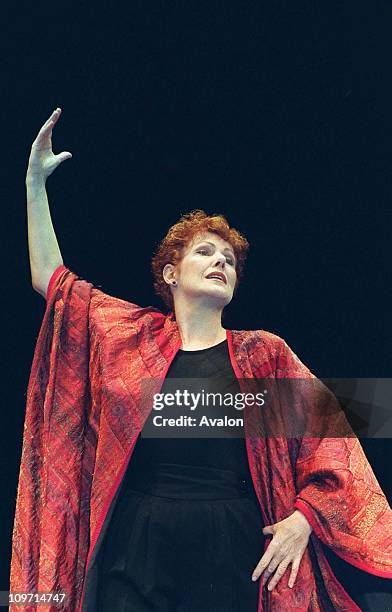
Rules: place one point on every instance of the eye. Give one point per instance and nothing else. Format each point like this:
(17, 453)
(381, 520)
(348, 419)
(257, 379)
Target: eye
(229, 260)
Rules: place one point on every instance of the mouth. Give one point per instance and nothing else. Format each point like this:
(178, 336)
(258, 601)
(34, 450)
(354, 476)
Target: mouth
(217, 277)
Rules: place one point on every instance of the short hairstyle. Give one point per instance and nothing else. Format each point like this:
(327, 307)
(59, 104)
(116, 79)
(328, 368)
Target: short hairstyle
(171, 248)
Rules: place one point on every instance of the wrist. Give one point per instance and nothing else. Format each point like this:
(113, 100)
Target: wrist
(35, 180)
(304, 520)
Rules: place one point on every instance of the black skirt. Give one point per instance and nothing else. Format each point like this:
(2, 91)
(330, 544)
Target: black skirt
(182, 539)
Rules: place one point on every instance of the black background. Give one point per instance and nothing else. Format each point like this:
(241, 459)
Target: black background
(275, 114)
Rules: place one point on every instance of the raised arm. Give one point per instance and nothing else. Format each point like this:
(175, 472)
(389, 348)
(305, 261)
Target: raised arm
(44, 251)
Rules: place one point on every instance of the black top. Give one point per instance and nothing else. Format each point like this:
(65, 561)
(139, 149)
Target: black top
(223, 448)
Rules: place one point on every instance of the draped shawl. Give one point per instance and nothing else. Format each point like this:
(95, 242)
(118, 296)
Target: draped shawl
(86, 406)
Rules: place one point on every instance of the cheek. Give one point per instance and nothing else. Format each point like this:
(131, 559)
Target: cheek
(233, 279)
(193, 273)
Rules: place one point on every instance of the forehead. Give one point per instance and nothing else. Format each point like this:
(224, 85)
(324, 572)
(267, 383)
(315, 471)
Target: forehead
(210, 237)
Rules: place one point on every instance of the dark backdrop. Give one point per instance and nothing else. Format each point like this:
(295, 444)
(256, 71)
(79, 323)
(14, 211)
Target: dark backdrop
(275, 114)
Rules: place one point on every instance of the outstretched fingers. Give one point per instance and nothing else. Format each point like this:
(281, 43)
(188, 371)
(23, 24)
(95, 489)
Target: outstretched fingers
(264, 561)
(294, 571)
(279, 573)
(53, 117)
(46, 129)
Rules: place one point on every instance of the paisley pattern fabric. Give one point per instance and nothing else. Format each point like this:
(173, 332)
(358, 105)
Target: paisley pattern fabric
(97, 361)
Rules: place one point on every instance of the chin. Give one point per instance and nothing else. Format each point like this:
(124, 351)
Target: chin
(221, 299)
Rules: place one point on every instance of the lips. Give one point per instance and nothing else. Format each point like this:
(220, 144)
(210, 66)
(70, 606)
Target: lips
(219, 275)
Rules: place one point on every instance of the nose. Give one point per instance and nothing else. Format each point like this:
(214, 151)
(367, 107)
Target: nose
(221, 260)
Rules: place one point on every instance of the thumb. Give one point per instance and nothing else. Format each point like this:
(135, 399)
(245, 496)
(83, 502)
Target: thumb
(63, 156)
(269, 529)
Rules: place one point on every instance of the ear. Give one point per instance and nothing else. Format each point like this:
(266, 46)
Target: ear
(168, 273)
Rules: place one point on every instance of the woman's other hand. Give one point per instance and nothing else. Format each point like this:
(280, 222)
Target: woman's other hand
(290, 539)
(42, 161)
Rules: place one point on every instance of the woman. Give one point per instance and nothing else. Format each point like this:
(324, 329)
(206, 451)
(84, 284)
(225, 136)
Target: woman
(116, 520)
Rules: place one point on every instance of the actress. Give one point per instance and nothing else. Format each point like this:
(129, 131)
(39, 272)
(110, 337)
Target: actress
(166, 522)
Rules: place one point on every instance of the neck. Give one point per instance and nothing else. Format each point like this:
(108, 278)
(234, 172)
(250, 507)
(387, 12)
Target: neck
(199, 326)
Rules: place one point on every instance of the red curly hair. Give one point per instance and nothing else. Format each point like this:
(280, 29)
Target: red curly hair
(172, 247)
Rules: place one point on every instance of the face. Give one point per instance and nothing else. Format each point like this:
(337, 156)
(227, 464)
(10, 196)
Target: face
(206, 255)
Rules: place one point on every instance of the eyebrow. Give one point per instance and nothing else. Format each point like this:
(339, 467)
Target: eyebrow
(212, 244)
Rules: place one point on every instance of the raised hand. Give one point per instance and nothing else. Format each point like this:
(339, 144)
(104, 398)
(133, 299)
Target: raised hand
(42, 160)
(290, 539)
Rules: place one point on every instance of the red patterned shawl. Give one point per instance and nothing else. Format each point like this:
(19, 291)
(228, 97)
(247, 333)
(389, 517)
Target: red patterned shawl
(83, 416)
